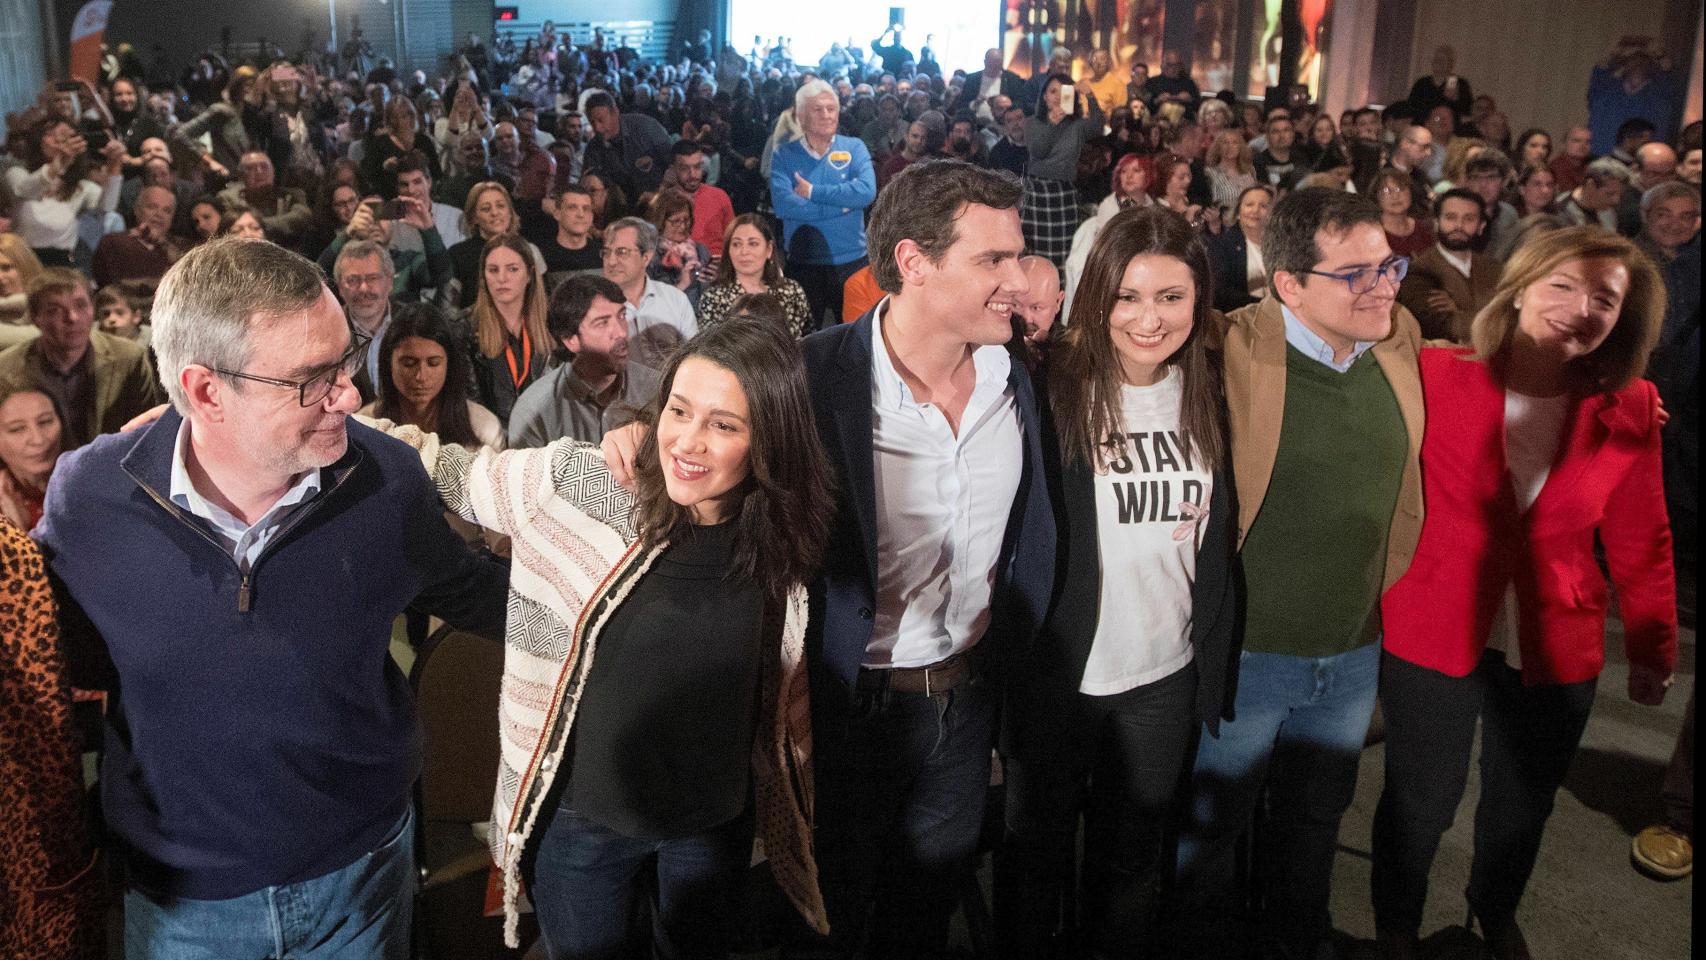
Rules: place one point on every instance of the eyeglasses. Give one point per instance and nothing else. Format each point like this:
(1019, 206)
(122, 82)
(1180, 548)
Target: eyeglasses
(609, 252)
(358, 280)
(1365, 280)
(313, 391)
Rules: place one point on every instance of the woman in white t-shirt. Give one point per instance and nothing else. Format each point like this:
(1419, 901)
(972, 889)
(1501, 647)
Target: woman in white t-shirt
(1138, 648)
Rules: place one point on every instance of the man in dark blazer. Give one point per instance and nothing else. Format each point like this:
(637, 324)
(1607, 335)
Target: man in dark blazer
(940, 563)
(1450, 281)
(941, 559)
(983, 87)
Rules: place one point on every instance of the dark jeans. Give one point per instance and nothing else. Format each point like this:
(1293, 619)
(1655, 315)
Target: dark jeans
(1528, 737)
(1117, 759)
(585, 875)
(1298, 736)
(901, 783)
(822, 284)
(1679, 776)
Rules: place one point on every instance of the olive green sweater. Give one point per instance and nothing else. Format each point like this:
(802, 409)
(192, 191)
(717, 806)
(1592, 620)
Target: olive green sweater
(1316, 553)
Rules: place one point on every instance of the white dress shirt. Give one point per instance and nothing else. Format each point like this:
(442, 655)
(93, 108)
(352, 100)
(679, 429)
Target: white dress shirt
(245, 541)
(943, 500)
(1534, 430)
(661, 303)
(1461, 261)
(1255, 270)
(378, 335)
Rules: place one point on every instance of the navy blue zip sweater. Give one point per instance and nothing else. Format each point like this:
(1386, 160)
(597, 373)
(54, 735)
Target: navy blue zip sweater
(260, 733)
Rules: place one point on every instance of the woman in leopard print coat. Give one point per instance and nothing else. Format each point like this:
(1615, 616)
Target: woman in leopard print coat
(49, 884)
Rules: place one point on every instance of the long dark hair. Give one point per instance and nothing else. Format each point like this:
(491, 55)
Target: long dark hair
(1084, 376)
(782, 522)
(772, 267)
(429, 323)
(1041, 110)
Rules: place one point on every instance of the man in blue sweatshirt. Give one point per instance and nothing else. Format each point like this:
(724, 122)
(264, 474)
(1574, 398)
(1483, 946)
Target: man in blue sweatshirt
(243, 558)
(820, 186)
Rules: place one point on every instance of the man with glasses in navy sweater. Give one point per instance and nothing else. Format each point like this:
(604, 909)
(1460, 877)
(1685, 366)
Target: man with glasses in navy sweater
(243, 559)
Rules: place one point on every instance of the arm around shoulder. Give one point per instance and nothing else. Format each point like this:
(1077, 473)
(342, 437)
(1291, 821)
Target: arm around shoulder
(1637, 539)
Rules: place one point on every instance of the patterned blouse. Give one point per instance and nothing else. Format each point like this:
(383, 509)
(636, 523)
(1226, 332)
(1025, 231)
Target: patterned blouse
(715, 302)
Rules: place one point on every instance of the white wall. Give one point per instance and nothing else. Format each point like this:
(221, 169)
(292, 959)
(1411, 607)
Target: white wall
(963, 29)
(591, 11)
(1533, 56)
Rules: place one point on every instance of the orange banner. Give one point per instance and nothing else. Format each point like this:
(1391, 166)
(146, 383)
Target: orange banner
(88, 31)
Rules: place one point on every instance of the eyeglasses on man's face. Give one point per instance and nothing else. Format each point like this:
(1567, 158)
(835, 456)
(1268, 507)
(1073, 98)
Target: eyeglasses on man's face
(313, 391)
(1365, 280)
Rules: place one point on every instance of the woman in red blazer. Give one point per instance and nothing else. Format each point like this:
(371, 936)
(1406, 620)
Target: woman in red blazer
(1538, 439)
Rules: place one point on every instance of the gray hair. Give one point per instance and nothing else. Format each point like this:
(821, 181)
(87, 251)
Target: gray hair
(361, 250)
(1216, 106)
(811, 90)
(210, 301)
(645, 235)
(1669, 190)
(1608, 168)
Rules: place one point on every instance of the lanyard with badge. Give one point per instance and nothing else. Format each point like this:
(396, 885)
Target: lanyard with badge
(519, 376)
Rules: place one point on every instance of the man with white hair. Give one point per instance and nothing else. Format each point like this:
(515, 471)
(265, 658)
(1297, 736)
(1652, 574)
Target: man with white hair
(146, 250)
(260, 765)
(820, 185)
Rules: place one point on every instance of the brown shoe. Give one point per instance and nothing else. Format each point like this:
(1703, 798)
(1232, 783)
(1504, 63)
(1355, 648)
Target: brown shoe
(1663, 853)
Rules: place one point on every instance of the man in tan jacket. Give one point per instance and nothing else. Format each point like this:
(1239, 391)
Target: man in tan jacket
(1450, 281)
(97, 381)
(1324, 403)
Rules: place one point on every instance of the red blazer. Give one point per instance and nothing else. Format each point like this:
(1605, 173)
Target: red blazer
(1607, 480)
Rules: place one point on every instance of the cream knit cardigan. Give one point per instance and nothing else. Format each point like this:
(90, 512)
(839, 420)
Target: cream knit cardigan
(573, 545)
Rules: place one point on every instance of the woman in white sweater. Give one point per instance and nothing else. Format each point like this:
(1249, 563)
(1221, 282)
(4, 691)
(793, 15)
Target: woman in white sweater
(689, 730)
(62, 180)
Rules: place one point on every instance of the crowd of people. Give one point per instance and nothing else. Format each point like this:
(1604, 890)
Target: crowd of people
(865, 421)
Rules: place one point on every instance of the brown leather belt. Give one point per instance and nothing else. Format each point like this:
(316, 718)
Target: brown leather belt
(936, 678)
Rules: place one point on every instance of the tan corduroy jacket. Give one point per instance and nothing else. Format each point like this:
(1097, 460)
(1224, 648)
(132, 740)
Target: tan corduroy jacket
(123, 382)
(1254, 362)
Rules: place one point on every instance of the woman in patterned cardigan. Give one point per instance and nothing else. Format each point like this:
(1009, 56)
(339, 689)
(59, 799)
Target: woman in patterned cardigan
(49, 886)
(694, 721)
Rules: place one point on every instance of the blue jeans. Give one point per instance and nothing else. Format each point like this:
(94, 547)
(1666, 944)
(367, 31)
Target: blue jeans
(585, 875)
(359, 912)
(1299, 732)
(902, 779)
